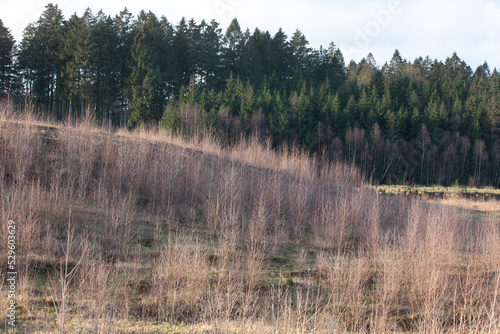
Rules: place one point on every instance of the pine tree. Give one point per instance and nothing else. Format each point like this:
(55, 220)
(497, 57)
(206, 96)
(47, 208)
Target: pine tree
(149, 83)
(280, 57)
(383, 106)
(334, 116)
(413, 99)
(403, 121)
(233, 94)
(364, 107)
(183, 60)
(6, 60)
(124, 24)
(211, 47)
(395, 66)
(76, 74)
(141, 81)
(105, 69)
(40, 59)
(300, 51)
(233, 40)
(279, 122)
(255, 62)
(248, 102)
(170, 119)
(372, 115)
(392, 130)
(195, 48)
(432, 115)
(415, 124)
(336, 74)
(301, 113)
(351, 111)
(492, 119)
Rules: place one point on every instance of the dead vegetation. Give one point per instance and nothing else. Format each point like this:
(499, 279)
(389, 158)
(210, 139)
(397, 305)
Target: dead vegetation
(145, 232)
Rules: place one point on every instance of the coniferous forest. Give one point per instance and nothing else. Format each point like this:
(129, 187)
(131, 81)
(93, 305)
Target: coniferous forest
(405, 121)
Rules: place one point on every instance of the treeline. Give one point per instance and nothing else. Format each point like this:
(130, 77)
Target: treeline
(422, 121)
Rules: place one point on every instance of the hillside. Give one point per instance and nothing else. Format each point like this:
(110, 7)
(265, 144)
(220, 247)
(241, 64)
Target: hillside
(401, 121)
(144, 232)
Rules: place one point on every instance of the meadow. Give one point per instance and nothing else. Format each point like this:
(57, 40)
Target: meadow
(148, 232)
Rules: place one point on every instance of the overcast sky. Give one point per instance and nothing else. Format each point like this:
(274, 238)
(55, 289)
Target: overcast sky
(415, 27)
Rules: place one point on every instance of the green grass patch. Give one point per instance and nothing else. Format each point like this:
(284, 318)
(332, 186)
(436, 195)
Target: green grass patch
(437, 191)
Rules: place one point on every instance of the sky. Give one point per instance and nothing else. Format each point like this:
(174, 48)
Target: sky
(417, 28)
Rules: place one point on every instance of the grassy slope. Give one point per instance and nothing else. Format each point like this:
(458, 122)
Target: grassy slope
(147, 232)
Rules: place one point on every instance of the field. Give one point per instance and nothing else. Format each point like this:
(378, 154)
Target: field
(440, 192)
(480, 200)
(146, 232)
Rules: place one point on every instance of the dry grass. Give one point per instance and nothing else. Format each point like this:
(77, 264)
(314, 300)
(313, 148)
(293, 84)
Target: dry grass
(488, 206)
(146, 232)
(483, 200)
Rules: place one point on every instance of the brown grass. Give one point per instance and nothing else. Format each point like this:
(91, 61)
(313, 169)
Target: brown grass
(146, 232)
(488, 206)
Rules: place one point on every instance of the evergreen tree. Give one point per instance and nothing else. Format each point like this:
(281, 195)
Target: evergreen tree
(233, 94)
(254, 64)
(76, 74)
(300, 51)
(364, 107)
(141, 81)
(336, 67)
(301, 114)
(211, 48)
(372, 116)
(383, 106)
(40, 59)
(105, 70)
(124, 24)
(233, 40)
(279, 122)
(6, 60)
(415, 124)
(396, 66)
(280, 61)
(170, 118)
(403, 121)
(248, 102)
(392, 126)
(149, 86)
(184, 61)
(334, 116)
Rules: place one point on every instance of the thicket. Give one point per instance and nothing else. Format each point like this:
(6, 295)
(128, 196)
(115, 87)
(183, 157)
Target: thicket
(149, 232)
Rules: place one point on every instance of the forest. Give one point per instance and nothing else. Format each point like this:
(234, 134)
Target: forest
(412, 122)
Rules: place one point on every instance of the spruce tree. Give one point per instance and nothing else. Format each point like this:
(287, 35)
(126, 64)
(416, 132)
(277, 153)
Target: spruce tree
(280, 57)
(105, 68)
(233, 40)
(233, 95)
(124, 24)
(279, 121)
(141, 81)
(300, 51)
(40, 59)
(76, 49)
(6, 59)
